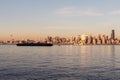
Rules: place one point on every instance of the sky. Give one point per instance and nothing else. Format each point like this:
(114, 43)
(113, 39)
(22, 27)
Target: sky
(41, 18)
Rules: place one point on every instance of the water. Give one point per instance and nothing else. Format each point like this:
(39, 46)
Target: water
(60, 63)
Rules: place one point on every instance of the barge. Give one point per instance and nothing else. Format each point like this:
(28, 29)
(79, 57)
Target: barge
(34, 44)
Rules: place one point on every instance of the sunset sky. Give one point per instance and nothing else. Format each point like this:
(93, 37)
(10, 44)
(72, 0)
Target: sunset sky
(39, 18)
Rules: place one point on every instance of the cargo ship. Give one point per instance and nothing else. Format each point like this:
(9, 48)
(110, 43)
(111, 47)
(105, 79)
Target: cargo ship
(34, 44)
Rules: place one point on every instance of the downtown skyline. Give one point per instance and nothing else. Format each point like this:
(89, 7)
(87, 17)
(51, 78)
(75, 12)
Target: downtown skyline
(84, 39)
(25, 19)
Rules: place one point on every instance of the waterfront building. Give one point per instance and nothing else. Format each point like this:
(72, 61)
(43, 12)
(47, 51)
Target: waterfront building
(49, 39)
(94, 41)
(103, 39)
(116, 41)
(89, 41)
(112, 41)
(107, 38)
(63, 40)
(84, 39)
(67, 39)
(78, 39)
(99, 41)
(73, 39)
(99, 37)
(57, 39)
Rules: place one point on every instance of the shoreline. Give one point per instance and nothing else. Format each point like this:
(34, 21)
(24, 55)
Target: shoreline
(75, 44)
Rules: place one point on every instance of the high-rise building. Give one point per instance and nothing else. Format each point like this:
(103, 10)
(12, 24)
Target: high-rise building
(89, 41)
(113, 34)
(99, 40)
(103, 39)
(94, 41)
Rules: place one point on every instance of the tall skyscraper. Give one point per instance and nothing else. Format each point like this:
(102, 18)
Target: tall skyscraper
(113, 34)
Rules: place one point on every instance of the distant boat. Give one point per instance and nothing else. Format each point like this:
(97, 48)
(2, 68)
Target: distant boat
(34, 44)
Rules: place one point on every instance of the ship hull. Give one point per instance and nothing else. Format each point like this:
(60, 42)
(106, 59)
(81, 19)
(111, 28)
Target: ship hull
(34, 44)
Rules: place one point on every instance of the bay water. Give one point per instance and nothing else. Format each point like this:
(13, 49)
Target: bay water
(65, 62)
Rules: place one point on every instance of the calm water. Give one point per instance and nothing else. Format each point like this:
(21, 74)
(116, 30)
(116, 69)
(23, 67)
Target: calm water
(60, 63)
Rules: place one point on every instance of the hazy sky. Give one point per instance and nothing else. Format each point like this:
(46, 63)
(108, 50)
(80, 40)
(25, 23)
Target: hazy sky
(36, 18)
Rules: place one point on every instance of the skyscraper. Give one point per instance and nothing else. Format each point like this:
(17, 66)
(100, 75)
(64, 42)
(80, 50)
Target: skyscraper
(113, 34)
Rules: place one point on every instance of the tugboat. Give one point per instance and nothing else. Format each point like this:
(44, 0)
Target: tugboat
(34, 44)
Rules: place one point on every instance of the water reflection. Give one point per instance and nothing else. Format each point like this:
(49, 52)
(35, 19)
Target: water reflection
(113, 56)
(60, 63)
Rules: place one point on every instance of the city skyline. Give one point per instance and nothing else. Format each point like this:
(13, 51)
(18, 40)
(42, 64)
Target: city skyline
(111, 35)
(84, 39)
(34, 19)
